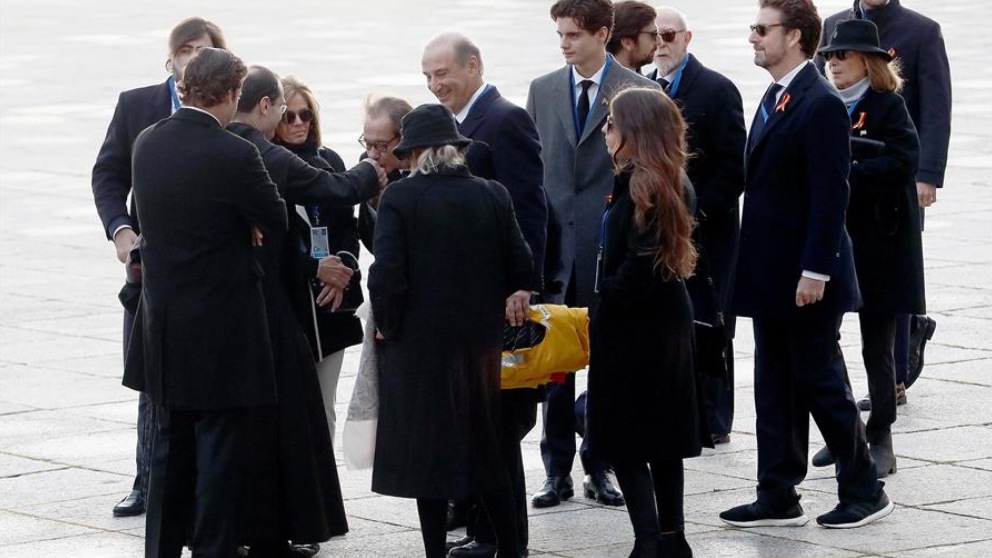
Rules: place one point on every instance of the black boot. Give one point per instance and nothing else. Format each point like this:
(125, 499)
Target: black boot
(883, 455)
(645, 548)
(674, 546)
(823, 457)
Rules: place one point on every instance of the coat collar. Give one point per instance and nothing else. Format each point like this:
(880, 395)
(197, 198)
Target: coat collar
(198, 116)
(476, 115)
(796, 91)
(597, 113)
(161, 100)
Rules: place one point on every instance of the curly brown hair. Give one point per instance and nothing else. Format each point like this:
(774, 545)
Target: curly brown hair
(211, 75)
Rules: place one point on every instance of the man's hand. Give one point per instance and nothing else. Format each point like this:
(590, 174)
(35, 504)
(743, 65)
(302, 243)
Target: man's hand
(330, 295)
(124, 241)
(926, 194)
(809, 291)
(517, 307)
(256, 237)
(379, 171)
(332, 271)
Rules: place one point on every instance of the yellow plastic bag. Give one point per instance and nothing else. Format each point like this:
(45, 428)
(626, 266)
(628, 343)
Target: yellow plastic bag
(565, 348)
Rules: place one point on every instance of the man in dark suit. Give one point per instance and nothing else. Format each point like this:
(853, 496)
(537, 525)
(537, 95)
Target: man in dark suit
(795, 278)
(200, 348)
(136, 110)
(918, 44)
(713, 110)
(569, 106)
(505, 148)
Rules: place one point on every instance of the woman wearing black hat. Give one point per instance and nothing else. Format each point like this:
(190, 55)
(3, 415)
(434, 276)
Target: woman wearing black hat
(448, 254)
(882, 218)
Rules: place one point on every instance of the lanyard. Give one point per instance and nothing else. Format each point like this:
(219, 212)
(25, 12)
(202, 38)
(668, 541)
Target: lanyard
(674, 87)
(172, 91)
(599, 94)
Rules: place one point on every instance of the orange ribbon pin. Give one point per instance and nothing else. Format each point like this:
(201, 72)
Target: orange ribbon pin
(861, 121)
(780, 107)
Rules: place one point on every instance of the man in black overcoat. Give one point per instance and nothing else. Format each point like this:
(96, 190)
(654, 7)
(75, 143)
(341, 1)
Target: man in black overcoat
(506, 149)
(795, 278)
(917, 43)
(714, 112)
(136, 110)
(200, 347)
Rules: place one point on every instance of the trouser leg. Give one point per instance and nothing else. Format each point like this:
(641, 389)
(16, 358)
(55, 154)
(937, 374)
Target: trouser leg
(878, 333)
(901, 352)
(328, 374)
(172, 484)
(432, 512)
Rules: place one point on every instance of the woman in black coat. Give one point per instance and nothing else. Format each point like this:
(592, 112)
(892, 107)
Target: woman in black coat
(329, 333)
(448, 254)
(643, 408)
(882, 216)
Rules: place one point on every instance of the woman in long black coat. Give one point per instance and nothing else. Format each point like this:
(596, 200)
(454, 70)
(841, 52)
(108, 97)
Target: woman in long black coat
(448, 254)
(883, 218)
(643, 407)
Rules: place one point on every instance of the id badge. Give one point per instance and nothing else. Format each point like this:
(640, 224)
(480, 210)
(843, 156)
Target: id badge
(319, 247)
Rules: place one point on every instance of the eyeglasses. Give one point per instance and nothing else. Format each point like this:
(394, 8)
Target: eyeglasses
(306, 116)
(380, 146)
(838, 54)
(609, 123)
(653, 34)
(282, 109)
(668, 35)
(762, 28)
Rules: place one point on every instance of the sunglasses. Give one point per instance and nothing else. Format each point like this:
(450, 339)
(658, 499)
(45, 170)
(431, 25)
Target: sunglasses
(306, 116)
(762, 28)
(379, 146)
(838, 54)
(668, 35)
(609, 123)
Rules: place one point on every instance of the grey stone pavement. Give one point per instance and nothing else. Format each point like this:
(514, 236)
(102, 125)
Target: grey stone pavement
(67, 432)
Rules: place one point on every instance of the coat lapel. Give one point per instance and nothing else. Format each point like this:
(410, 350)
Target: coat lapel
(476, 116)
(598, 112)
(689, 75)
(795, 91)
(563, 105)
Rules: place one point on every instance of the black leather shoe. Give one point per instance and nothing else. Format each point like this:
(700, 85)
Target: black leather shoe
(864, 404)
(307, 550)
(920, 331)
(719, 439)
(555, 490)
(600, 488)
(474, 549)
(132, 504)
(900, 395)
(457, 513)
(823, 457)
(282, 549)
(458, 542)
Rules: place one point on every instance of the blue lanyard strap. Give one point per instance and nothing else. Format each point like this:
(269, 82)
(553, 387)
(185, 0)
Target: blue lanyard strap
(674, 87)
(172, 91)
(592, 106)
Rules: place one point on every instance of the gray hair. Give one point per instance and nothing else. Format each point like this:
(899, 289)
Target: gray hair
(433, 159)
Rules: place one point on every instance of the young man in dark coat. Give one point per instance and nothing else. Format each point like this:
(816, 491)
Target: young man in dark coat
(917, 42)
(506, 149)
(200, 347)
(795, 278)
(568, 106)
(713, 110)
(136, 110)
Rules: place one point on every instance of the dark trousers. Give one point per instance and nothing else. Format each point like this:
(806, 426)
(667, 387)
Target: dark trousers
(518, 413)
(498, 506)
(197, 477)
(902, 347)
(799, 371)
(718, 396)
(878, 334)
(146, 424)
(563, 418)
(654, 497)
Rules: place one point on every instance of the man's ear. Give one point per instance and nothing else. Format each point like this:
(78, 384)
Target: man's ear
(628, 43)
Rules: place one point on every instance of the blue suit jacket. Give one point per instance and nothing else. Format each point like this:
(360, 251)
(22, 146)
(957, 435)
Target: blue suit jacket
(795, 201)
(512, 156)
(136, 110)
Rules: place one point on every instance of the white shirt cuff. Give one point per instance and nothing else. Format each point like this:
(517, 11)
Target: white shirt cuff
(817, 276)
(117, 230)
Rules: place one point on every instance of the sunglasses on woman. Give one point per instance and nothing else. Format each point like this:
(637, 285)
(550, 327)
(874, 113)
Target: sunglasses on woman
(838, 54)
(306, 116)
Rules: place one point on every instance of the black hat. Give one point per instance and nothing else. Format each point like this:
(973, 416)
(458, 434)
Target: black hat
(428, 126)
(859, 35)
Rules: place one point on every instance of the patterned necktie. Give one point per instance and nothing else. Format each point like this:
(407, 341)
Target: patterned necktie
(583, 106)
(664, 84)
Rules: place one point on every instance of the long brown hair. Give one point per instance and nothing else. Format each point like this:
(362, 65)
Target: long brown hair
(651, 125)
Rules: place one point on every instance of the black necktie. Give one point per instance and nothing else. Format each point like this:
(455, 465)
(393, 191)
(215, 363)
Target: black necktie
(583, 106)
(664, 84)
(765, 110)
